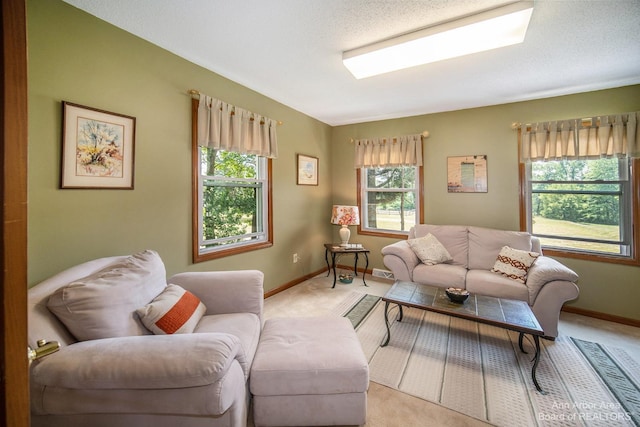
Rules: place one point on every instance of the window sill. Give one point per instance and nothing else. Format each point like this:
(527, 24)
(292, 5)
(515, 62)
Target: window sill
(382, 233)
(592, 257)
(221, 253)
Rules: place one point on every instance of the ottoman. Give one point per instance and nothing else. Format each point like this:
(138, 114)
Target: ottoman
(309, 371)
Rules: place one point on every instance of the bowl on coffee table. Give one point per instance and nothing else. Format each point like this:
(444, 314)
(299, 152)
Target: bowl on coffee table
(457, 295)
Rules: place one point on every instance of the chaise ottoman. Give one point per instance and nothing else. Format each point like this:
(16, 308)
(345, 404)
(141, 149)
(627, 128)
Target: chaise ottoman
(309, 371)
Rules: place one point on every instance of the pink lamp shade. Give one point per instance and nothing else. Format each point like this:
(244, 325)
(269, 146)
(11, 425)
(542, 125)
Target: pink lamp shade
(345, 216)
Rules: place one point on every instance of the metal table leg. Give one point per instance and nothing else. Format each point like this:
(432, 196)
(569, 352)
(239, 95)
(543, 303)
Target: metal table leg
(366, 257)
(333, 266)
(535, 360)
(386, 322)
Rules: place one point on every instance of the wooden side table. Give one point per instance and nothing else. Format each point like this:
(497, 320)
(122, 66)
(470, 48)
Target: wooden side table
(335, 249)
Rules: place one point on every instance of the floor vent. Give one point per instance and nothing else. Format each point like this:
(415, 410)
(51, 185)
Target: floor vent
(385, 274)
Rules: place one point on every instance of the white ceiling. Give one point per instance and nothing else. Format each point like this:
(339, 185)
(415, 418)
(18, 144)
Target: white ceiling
(291, 50)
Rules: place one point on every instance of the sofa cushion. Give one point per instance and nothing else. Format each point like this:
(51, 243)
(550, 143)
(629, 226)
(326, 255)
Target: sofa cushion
(429, 250)
(514, 263)
(174, 311)
(486, 243)
(103, 304)
(484, 282)
(453, 238)
(442, 275)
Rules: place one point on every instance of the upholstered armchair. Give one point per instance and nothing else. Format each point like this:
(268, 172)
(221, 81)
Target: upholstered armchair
(138, 350)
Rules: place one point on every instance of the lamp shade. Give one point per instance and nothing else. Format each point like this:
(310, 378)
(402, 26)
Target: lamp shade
(345, 215)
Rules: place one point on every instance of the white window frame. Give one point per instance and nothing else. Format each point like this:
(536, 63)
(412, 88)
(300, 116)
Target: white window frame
(250, 241)
(628, 235)
(363, 201)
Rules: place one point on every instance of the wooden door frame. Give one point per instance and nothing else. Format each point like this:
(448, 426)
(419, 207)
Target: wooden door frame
(14, 367)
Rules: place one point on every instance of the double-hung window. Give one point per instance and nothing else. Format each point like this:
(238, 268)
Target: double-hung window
(390, 199)
(232, 203)
(582, 200)
(389, 184)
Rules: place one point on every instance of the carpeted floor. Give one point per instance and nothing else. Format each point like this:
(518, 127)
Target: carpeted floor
(389, 407)
(479, 370)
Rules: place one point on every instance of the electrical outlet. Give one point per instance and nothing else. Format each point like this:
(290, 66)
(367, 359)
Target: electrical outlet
(295, 258)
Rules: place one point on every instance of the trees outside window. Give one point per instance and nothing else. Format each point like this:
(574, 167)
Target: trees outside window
(233, 202)
(390, 199)
(583, 207)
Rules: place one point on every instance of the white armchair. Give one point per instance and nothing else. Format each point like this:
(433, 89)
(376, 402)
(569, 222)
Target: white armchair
(190, 379)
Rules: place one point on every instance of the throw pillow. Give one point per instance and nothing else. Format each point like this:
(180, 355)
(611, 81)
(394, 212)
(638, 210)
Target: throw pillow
(429, 250)
(174, 311)
(103, 304)
(514, 263)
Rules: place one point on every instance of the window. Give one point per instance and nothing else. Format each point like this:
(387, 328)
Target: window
(390, 199)
(233, 205)
(583, 208)
(231, 157)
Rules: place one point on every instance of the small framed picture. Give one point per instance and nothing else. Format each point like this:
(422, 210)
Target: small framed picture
(467, 174)
(98, 148)
(307, 170)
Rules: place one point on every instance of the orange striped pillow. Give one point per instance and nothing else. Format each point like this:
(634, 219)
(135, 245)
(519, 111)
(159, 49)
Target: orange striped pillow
(174, 311)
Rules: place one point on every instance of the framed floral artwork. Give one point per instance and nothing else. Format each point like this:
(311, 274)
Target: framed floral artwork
(98, 148)
(307, 170)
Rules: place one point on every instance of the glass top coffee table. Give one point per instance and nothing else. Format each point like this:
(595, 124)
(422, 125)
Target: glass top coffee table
(501, 312)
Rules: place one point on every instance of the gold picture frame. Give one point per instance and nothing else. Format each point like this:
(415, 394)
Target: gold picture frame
(98, 148)
(467, 174)
(307, 170)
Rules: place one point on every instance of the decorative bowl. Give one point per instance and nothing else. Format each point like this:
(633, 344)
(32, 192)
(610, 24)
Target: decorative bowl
(345, 278)
(457, 295)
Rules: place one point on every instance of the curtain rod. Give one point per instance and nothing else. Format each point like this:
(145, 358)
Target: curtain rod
(584, 121)
(424, 134)
(196, 93)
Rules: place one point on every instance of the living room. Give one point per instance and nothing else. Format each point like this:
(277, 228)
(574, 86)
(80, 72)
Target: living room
(130, 76)
(79, 58)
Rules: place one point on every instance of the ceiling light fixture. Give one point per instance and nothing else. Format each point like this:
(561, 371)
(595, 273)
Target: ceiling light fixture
(491, 29)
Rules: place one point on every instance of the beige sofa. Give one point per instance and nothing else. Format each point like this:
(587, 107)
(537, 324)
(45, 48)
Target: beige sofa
(547, 285)
(122, 374)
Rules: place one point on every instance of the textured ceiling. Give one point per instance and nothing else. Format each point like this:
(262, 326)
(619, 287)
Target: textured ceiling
(291, 50)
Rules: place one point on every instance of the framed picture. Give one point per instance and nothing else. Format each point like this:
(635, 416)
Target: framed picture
(307, 170)
(467, 174)
(97, 148)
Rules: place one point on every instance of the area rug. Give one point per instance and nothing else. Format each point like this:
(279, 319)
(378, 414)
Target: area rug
(479, 370)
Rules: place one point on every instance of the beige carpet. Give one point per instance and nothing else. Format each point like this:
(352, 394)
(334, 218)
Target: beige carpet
(478, 370)
(388, 407)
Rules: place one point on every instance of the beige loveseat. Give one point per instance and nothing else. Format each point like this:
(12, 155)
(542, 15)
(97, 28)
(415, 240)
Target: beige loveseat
(473, 251)
(111, 370)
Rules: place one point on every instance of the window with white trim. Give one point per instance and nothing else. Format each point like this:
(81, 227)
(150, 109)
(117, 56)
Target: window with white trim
(233, 200)
(581, 206)
(390, 198)
(580, 188)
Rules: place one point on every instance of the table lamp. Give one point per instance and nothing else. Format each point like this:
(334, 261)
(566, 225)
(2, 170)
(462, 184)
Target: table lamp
(345, 216)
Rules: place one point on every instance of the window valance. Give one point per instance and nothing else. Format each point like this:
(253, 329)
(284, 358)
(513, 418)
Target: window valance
(226, 127)
(603, 136)
(397, 151)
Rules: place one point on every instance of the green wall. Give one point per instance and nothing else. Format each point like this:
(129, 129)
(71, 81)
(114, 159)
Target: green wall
(604, 287)
(78, 58)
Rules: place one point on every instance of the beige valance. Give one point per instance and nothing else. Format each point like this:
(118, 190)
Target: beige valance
(602, 136)
(396, 151)
(226, 127)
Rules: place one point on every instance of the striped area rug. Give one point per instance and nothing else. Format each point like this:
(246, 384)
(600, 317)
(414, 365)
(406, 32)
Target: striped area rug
(480, 371)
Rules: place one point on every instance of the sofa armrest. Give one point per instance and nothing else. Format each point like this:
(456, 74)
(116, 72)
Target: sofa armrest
(141, 362)
(545, 270)
(224, 292)
(400, 258)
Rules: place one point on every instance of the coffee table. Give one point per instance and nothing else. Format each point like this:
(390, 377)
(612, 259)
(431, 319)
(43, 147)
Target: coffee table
(505, 313)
